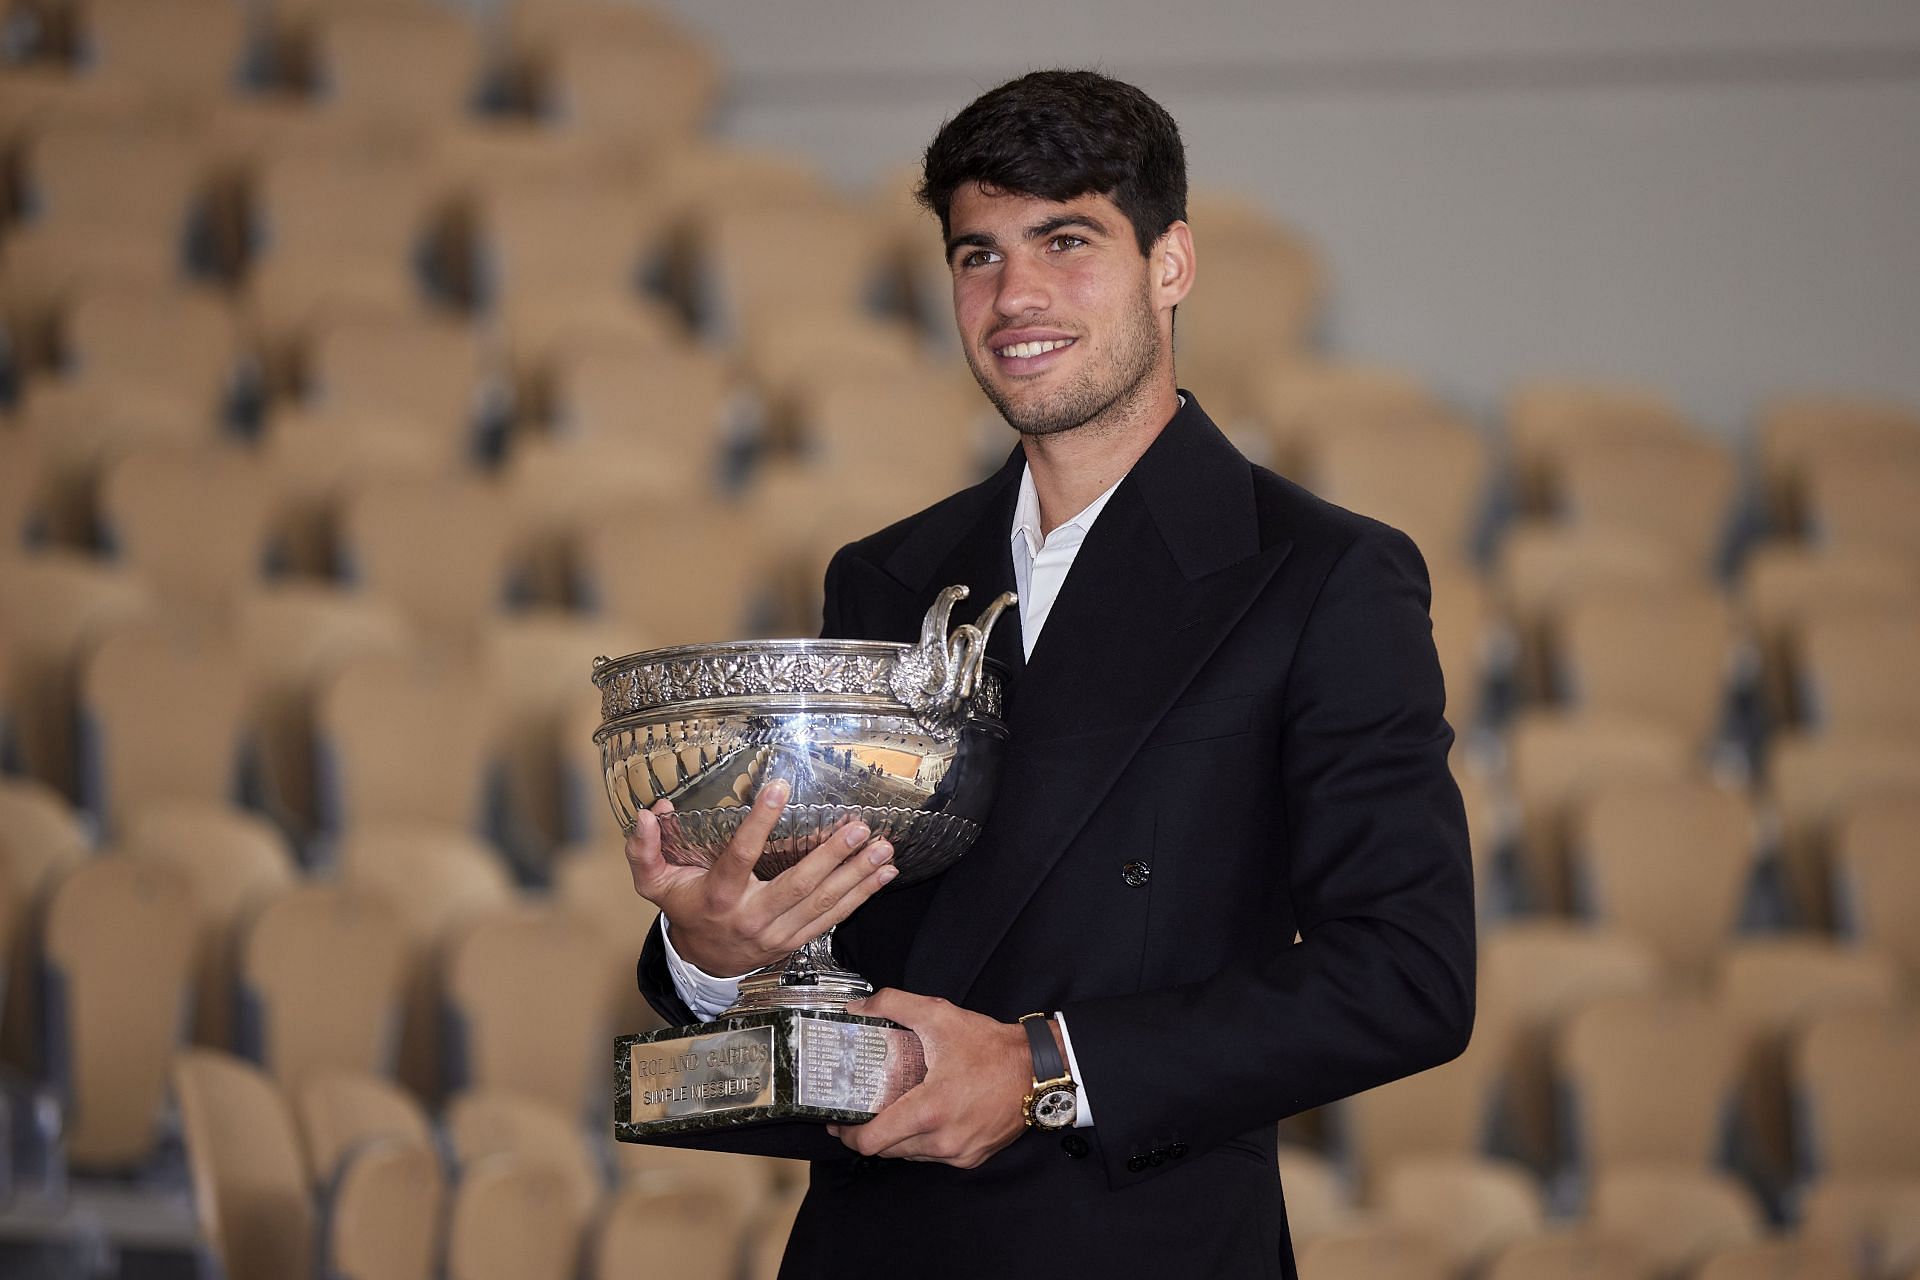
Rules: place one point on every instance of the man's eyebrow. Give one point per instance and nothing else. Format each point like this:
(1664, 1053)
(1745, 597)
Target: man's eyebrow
(1064, 220)
(971, 240)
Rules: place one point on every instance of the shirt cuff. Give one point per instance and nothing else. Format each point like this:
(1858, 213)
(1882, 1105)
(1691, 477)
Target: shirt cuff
(1083, 1109)
(703, 993)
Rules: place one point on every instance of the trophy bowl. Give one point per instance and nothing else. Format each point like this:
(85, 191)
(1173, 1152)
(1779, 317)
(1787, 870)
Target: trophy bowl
(906, 738)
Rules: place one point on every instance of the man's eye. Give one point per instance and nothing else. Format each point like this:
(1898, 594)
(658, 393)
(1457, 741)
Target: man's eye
(1065, 242)
(975, 258)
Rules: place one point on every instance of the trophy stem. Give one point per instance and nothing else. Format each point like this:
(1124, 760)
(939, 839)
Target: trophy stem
(809, 978)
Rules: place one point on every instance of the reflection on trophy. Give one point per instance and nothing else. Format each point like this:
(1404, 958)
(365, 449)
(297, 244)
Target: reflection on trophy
(906, 738)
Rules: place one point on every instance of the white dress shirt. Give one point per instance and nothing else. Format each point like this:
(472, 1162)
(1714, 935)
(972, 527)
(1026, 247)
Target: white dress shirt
(1040, 565)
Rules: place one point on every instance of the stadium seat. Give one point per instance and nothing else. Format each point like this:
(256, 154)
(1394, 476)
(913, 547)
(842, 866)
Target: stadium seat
(341, 1111)
(414, 68)
(1865, 502)
(766, 1242)
(1876, 1219)
(515, 1220)
(685, 573)
(548, 244)
(482, 1123)
(1784, 584)
(1860, 672)
(314, 457)
(892, 422)
(118, 949)
(41, 838)
(1255, 304)
(383, 1212)
(233, 860)
(180, 50)
(593, 880)
(424, 374)
(554, 488)
(404, 740)
(1577, 1254)
(1771, 986)
(1473, 1206)
(1660, 655)
(1669, 861)
(1303, 404)
(1673, 1217)
(750, 274)
(250, 1190)
(1319, 1201)
(437, 549)
(1813, 781)
(531, 1007)
(675, 404)
(685, 1232)
(647, 88)
(1546, 418)
(1378, 1252)
(747, 1184)
(1428, 477)
(163, 719)
(172, 351)
(194, 523)
(1780, 1260)
(24, 516)
(1442, 1113)
(1797, 432)
(1680, 490)
(1853, 1072)
(1877, 894)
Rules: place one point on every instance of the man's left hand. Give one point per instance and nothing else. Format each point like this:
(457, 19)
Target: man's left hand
(969, 1105)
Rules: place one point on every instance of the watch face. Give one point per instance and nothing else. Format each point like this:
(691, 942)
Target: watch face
(1054, 1109)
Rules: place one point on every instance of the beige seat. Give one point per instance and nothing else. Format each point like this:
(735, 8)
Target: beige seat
(404, 740)
(529, 992)
(1533, 977)
(24, 507)
(1668, 861)
(1798, 432)
(1780, 1260)
(1319, 1202)
(1307, 405)
(41, 839)
(165, 720)
(1663, 656)
(1467, 635)
(515, 1220)
(136, 181)
(1853, 1072)
(1784, 584)
(1255, 306)
(892, 421)
(171, 350)
(1877, 1219)
(324, 970)
(1771, 986)
(233, 860)
(383, 1213)
(1473, 1206)
(429, 374)
(1860, 672)
(414, 67)
(1878, 877)
(593, 880)
(1865, 502)
(766, 1242)
(436, 877)
(747, 1183)
(1680, 490)
(751, 276)
(250, 1192)
(1557, 760)
(179, 49)
(585, 239)
(314, 457)
(194, 523)
(481, 1123)
(1439, 1114)
(1426, 476)
(793, 358)
(711, 587)
(674, 403)
(293, 636)
(437, 549)
(685, 1232)
(648, 88)
(537, 665)
(54, 606)
(1577, 1254)
(1673, 1217)
(1548, 418)
(1813, 781)
(1650, 1079)
(342, 1111)
(555, 488)
(118, 949)
(1376, 1252)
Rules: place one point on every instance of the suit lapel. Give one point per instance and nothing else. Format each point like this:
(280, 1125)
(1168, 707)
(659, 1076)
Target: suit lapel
(1170, 566)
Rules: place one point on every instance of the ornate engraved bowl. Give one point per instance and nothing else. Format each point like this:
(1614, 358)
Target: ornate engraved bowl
(906, 738)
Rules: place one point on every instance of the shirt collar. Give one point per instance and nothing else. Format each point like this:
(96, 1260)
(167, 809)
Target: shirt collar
(1026, 510)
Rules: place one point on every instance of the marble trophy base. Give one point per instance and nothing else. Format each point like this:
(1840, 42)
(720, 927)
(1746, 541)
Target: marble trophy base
(764, 1065)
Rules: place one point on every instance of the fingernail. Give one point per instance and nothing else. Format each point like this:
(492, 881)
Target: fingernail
(833, 1131)
(880, 853)
(856, 834)
(888, 873)
(773, 793)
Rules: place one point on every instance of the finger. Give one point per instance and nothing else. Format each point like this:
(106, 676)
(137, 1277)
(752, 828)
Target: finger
(897, 1127)
(852, 883)
(805, 876)
(904, 1007)
(643, 853)
(733, 869)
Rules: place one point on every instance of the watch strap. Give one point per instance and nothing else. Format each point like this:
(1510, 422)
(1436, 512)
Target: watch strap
(1047, 1062)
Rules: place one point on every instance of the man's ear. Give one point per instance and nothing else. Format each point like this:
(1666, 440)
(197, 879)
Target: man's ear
(1170, 266)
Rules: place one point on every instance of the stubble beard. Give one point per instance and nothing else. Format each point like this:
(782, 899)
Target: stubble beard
(1094, 394)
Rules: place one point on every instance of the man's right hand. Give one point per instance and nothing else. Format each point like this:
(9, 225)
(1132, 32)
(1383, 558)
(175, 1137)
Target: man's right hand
(725, 921)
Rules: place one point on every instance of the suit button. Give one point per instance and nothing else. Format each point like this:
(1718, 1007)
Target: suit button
(1177, 1150)
(1157, 1156)
(1135, 874)
(1137, 1164)
(1074, 1145)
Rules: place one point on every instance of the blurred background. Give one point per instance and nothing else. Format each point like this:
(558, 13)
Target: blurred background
(370, 365)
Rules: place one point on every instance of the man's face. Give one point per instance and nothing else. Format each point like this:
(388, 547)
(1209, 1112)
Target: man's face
(1055, 307)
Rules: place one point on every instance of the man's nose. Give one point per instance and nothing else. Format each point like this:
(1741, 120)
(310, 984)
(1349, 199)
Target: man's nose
(1022, 287)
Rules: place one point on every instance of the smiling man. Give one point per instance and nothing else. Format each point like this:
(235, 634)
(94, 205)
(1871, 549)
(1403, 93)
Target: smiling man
(1224, 729)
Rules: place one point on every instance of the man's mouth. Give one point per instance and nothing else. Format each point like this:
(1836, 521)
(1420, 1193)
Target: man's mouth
(1028, 350)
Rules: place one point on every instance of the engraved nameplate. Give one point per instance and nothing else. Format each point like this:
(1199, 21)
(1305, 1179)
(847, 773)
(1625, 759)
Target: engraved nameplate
(850, 1066)
(689, 1076)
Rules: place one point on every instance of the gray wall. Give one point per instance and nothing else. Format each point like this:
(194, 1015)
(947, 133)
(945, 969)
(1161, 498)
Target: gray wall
(1718, 198)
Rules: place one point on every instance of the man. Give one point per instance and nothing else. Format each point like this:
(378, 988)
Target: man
(1224, 726)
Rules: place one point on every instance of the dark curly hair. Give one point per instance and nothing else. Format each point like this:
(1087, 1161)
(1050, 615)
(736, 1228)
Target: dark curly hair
(1059, 135)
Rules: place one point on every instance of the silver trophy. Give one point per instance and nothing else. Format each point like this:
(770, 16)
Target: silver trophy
(906, 738)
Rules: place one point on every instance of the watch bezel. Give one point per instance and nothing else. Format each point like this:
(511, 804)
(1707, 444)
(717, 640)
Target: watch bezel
(1045, 1089)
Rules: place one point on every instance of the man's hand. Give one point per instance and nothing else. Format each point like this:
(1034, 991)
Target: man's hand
(724, 920)
(969, 1106)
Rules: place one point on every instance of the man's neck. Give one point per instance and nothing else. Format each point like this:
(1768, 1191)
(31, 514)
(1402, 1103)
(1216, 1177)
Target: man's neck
(1072, 468)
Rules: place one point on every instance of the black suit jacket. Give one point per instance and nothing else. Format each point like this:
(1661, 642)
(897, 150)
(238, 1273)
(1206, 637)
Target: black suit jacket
(1237, 688)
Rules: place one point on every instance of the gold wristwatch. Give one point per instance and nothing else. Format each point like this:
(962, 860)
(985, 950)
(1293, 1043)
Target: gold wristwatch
(1054, 1100)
